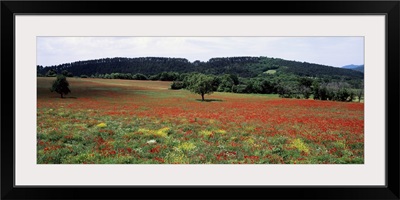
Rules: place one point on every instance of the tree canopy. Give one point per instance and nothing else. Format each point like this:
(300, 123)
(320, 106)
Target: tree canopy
(248, 67)
(200, 84)
(61, 86)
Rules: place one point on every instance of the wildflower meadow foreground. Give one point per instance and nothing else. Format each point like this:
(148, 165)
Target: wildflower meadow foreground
(105, 121)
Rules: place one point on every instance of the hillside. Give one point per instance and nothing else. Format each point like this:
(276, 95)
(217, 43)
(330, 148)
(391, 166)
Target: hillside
(241, 66)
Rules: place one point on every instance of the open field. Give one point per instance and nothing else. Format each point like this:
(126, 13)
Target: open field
(126, 121)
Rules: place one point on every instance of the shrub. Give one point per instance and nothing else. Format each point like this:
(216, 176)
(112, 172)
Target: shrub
(177, 85)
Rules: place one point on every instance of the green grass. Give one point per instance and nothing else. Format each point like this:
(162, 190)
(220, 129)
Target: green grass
(271, 71)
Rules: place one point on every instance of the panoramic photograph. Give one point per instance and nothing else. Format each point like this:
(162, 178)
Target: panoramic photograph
(200, 100)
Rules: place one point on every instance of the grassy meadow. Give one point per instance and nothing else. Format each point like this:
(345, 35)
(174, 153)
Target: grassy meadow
(109, 121)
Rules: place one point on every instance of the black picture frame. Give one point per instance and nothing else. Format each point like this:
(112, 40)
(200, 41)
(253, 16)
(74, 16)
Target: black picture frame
(11, 8)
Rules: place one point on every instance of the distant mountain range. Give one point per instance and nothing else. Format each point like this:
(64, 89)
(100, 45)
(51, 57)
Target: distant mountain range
(354, 67)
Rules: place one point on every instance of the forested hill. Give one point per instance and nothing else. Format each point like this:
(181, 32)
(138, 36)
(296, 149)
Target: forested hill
(241, 66)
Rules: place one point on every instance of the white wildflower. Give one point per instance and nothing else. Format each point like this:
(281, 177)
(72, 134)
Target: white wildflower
(151, 142)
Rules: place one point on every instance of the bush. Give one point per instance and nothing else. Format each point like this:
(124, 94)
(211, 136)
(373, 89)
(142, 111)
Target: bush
(139, 76)
(239, 88)
(84, 76)
(51, 73)
(177, 85)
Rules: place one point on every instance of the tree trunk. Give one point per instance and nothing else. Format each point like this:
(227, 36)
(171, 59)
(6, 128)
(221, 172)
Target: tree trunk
(202, 97)
(62, 96)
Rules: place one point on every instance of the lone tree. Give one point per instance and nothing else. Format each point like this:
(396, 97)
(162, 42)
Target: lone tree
(200, 84)
(61, 86)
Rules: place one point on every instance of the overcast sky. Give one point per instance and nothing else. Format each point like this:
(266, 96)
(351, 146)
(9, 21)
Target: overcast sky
(331, 51)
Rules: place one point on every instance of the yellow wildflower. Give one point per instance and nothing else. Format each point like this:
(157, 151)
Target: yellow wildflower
(187, 146)
(144, 131)
(206, 133)
(221, 131)
(299, 144)
(102, 125)
(162, 132)
(177, 157)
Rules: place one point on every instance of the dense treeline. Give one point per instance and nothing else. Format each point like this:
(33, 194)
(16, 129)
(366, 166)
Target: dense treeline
(248, 67)
(285, 86)
(145, 65)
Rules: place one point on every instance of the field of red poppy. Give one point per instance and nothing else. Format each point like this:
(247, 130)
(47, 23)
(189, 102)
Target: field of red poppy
(144, 122)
